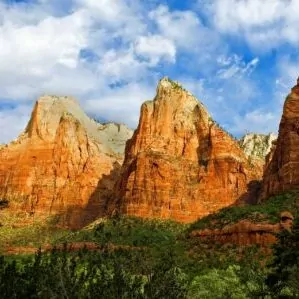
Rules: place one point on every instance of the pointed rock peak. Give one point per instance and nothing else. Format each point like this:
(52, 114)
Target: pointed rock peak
(47, 113)
(168, 84)
(173, 94)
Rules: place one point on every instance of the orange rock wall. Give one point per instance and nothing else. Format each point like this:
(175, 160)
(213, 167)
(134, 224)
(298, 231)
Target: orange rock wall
(282, 171)
(179, 163)
(56, 167)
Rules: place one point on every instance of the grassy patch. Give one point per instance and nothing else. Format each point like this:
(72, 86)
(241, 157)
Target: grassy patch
(268, 210)
(33, 234)
(131, 231)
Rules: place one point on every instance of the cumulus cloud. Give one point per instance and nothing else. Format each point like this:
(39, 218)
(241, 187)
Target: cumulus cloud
(265, 24)
(110, 55)
(255, 121)
(114, 104)
(154, 48)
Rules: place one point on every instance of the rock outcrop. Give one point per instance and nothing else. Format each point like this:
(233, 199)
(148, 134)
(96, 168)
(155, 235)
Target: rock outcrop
(179, 163)
(64, 163)
(257, 146)
(282, 171)
(246, 232)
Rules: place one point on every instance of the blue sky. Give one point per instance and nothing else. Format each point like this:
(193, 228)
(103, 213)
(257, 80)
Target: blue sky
(239, 57)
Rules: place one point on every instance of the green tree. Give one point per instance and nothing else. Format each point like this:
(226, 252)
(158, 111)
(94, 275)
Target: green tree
(284, 277)
(218, 284)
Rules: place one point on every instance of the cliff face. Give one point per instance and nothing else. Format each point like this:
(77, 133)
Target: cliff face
(282, 172)
(179, 163)
(246, 232)
(257, 146)
(64, 163)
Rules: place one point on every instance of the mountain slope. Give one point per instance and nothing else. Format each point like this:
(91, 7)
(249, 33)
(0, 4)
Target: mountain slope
(64, 163)
(179, 163)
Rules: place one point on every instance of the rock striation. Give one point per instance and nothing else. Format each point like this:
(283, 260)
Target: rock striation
(63, 163)
(246, 232)
(282, 171)
(179, 163)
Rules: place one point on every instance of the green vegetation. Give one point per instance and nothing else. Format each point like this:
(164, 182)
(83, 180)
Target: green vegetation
(175, 85)
(283, 280)
(35, 234)
(161, 266)
(268, 210)
(138, 258)
(130, 231)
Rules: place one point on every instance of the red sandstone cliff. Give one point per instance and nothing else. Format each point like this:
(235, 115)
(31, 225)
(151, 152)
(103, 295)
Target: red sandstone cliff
(64, 163)
(179, 163)
(282, 171)
(245, 232)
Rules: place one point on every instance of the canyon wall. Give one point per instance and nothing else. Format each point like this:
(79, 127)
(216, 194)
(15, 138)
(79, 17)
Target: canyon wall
(282, 171)
(179, 163)
(64, 163)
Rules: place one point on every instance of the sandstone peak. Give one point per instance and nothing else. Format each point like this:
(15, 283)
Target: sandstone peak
(282, 172)
(49, 111)
(179, 164)
(64, 163)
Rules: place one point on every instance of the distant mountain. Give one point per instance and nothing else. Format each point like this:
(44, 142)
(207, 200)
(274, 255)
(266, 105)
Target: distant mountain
(257, 146)
(63, 163)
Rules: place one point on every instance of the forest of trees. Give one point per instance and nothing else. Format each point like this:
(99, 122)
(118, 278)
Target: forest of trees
(159, 270)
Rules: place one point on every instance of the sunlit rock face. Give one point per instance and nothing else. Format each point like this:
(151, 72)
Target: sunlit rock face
(64, 163)
(282, 171)
(179, 163)
(257, 146)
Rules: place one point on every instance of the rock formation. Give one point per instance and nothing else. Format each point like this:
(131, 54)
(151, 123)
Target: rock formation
(257, 146)
(64, 163)
(179, 163)
(246, 232)
(282, 171)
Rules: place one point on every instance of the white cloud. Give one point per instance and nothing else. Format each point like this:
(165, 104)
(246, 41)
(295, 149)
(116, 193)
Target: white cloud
(235, 66)
(31, 54)
(183, 27)
(255, 121)
(126, 100)
(125, 44)
(155, 47)
(265, 24)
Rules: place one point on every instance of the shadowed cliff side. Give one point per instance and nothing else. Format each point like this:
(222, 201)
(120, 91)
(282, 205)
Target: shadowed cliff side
(282, 171)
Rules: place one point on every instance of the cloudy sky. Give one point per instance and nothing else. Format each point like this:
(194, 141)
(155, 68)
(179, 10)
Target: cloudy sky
(239, 57)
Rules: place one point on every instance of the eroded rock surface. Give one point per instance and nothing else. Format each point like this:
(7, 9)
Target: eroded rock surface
(282, 171)
(246, 232)
(257, 146)
(179, 164)
(64, 163)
